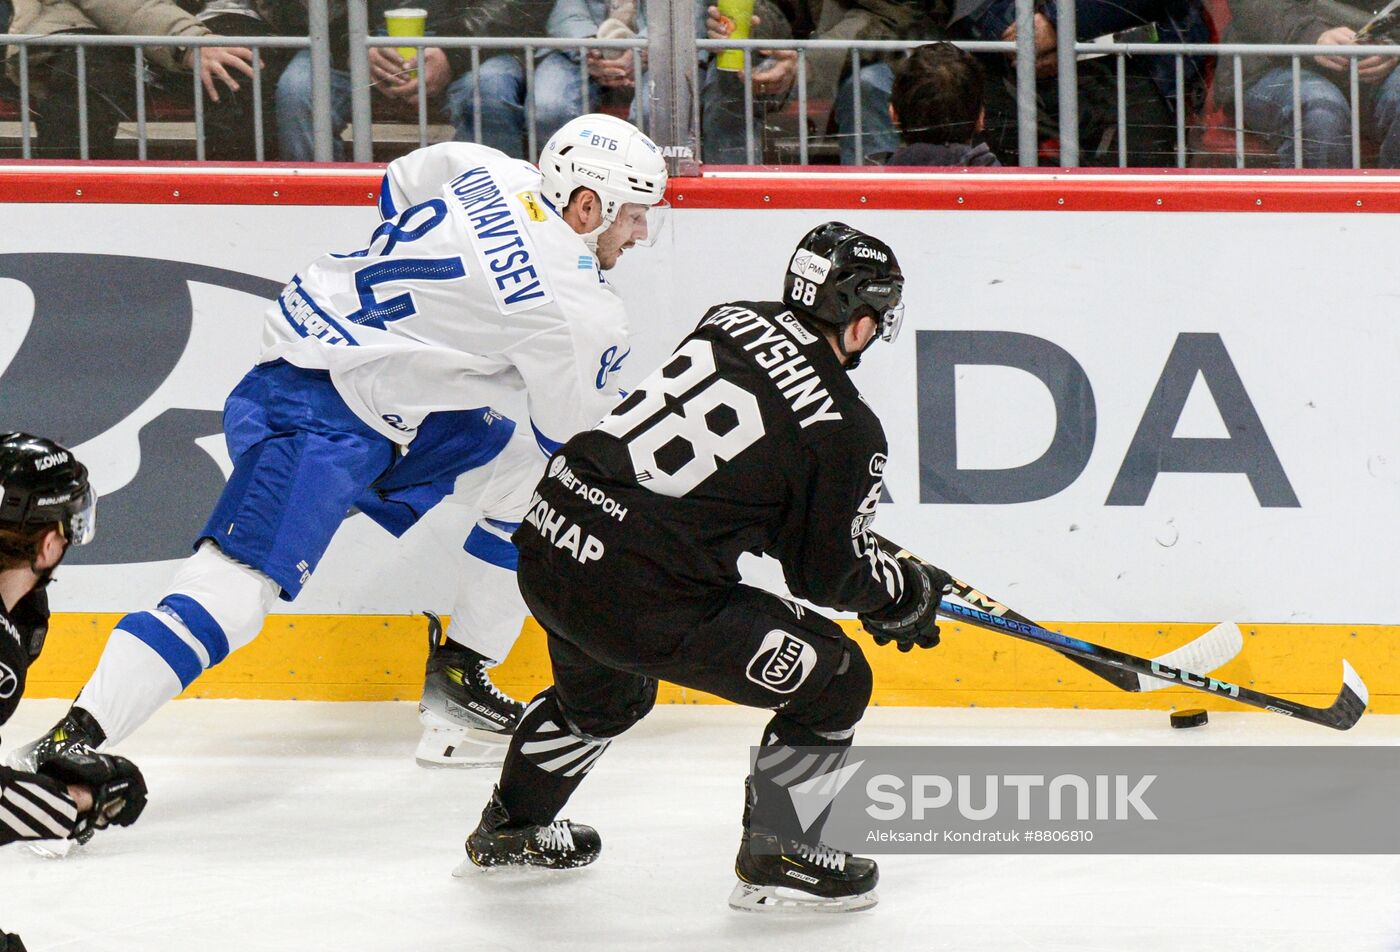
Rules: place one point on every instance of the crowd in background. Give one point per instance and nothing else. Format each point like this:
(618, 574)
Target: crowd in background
(938, 106)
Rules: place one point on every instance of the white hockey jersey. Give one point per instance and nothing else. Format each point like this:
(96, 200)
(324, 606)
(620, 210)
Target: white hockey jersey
(471, 288)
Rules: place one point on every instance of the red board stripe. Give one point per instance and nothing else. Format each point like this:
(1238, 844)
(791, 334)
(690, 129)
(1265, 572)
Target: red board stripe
(1003, 190)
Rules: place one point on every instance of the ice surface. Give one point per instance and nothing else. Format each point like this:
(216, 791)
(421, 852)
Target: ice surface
(307, 826)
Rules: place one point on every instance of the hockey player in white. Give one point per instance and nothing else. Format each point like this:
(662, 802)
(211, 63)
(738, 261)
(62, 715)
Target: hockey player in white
(374, 390)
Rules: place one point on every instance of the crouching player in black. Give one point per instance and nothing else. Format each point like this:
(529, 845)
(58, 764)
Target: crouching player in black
(46, 505)
(751, 438)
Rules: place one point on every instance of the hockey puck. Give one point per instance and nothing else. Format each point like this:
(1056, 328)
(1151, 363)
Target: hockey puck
(1195, 717)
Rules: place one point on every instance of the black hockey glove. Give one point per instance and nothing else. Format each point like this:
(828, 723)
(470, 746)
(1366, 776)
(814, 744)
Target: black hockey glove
(913, 620)
(118, 789)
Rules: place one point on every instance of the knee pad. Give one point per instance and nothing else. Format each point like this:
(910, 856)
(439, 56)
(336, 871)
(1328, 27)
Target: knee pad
(832, 714)
(615, 715)
(220, 601)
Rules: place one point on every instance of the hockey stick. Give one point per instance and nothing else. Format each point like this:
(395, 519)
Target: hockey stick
(1211, 650)
(1344, 712)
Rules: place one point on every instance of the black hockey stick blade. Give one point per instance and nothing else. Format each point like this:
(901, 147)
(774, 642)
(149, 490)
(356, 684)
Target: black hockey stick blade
(1341, 715)
(1211, 650)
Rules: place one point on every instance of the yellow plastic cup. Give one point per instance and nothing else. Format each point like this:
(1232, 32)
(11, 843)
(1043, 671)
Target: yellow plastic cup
(406, 21)
(739, 14)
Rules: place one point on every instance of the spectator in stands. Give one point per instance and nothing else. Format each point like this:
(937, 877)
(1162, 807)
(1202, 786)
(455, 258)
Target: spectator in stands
(110, 85)
(1150, 81)
(446, 72)
(1268, 81)
(612, 74)
(936, 102)
(828, 76)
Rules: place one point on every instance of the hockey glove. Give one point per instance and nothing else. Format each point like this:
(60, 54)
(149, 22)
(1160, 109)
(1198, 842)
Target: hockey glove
(118, 789)
(913, 620)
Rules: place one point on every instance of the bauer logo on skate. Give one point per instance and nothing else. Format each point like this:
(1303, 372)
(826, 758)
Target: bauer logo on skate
(782, 662)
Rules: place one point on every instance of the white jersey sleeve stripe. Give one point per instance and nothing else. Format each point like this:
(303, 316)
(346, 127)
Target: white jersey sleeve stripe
(18, 826)
(62, 806)
(13, 800)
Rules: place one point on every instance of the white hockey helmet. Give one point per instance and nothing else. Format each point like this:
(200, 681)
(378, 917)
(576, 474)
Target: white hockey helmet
(610, 156)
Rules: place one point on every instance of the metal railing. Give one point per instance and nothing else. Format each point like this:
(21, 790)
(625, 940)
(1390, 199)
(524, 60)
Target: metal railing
(667, 93)
(141, 80)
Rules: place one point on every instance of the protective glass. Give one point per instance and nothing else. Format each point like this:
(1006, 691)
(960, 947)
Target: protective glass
(82, 524)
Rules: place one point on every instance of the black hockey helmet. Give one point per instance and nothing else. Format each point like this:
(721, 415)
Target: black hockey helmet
(41, 483)
(838, 274)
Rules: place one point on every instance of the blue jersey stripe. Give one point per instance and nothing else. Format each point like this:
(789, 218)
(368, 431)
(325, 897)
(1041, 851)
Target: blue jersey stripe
(491, 548)
(201, 624)
(149, 630)
(550, 447)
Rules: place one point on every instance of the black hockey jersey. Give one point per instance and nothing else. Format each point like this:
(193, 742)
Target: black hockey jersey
(31, 807)
(750, 438)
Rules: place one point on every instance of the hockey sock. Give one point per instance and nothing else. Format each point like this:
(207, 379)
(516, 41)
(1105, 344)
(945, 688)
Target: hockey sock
(545, 764)
(488, 611)
(216, 606)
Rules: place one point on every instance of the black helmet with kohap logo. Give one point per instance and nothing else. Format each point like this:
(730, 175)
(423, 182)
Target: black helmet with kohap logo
(838, 274)
(41, 483)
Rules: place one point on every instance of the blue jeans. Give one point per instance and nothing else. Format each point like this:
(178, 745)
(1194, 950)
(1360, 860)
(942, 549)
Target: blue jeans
(877, 130)
(557, 100)
(294, 137)
(722, 116)
(1268, 108)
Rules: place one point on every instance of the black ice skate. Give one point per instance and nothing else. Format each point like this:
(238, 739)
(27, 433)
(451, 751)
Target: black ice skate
(78, 730)
(558, 845)
(776, 874)
(467, 721)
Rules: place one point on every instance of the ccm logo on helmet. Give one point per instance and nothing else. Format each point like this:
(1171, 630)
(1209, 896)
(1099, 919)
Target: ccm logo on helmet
(863, 251)
(50, 461)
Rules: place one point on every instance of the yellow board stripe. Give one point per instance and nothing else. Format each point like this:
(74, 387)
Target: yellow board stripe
(380, 658)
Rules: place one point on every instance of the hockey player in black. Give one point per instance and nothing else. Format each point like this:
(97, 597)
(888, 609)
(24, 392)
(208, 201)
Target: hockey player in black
(751, 438)
(46, 505)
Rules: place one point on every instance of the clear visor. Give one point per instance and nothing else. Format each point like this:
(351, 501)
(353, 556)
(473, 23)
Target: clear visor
(82, 524)
(643, 224)
(890, 323)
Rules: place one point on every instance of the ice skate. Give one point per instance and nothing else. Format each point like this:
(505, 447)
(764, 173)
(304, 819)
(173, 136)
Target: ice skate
(77, 731)
(797, 877)
(557, 845)
(467, 721)
(783, 875)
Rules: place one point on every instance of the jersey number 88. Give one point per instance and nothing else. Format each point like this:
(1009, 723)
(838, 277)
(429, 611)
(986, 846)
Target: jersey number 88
(683, 421)
(804, 291)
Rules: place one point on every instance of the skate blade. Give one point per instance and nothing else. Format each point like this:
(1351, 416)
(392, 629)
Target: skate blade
(442, 746)
(51, 849)
(747, 897)
(22, 758)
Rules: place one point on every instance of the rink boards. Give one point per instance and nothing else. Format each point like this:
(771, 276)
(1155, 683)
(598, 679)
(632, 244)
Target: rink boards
(1132, 406)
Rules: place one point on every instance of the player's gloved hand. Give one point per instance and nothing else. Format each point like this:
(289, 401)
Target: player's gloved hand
(118, 789)
(913, 620)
